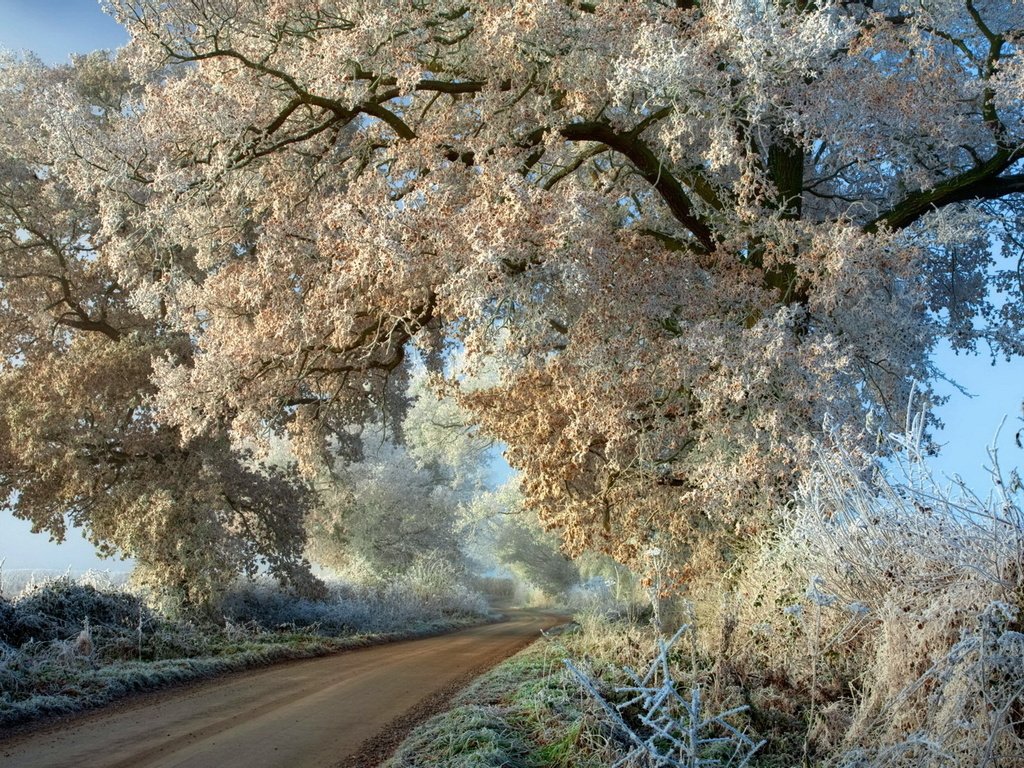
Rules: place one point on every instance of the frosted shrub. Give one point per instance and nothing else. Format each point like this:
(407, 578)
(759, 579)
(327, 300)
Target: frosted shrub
(494, 587)
(431, 577)
(879, 625)
(976, 710)
(594, 601)
(56, 610)
(432, 586)
(969, 703)
(664, 727)
(420, 598)
(937, 573)
(790, 644)
(12, 631)
(15, 581)
(105, 581)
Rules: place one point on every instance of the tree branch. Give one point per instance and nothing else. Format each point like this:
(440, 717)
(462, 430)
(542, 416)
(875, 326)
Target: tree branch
(982, 182)
(85, 324)
(651, 168)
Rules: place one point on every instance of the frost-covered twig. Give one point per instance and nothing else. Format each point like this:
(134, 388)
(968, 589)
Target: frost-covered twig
(667, 728)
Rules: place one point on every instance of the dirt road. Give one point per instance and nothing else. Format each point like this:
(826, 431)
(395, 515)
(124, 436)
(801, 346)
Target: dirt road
(349, 709)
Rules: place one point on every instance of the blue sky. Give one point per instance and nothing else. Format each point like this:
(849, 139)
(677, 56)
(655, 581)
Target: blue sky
(55, 28)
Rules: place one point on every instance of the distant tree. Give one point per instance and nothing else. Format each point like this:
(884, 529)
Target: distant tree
(533, 554)
(441, 434)
(679, 234)
(79, 437)
(394, 496)
(385, 513)
(428, 498)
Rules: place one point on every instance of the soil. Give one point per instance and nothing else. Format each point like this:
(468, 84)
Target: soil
(350, 709)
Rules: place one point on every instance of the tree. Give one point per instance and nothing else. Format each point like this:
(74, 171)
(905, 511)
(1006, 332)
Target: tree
(385, 512)
(682, 233)
(79, 437)
(391, 503)
(530, 552)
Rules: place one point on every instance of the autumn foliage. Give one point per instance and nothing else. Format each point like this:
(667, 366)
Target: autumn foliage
(667, 240)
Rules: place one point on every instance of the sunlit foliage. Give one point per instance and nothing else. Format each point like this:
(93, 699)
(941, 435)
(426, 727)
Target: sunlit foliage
(678, 235)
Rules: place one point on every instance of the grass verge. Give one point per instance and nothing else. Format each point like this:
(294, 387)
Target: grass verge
(524, 713)
(54, 660)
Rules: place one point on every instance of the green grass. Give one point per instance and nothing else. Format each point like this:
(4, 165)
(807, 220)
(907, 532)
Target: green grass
(525, 713)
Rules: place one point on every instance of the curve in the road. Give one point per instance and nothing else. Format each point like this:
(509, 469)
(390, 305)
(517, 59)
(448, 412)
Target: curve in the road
(348, 709)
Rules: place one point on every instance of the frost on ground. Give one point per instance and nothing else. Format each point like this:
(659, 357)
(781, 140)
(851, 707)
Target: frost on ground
(66, 645)
(880, 626)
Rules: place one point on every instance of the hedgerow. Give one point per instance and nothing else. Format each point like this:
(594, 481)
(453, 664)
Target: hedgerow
(66, 645)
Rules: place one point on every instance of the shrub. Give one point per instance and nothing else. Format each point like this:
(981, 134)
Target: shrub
(12, 631)
(663, 727)
(424, 596)
(881, 620)
(57, 609)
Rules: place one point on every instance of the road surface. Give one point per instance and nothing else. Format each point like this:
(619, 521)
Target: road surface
(350, 709)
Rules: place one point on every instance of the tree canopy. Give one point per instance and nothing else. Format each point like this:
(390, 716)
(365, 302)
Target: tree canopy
(80, 439)
(679, 235)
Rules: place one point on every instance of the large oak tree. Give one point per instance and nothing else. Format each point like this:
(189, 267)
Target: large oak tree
(684, 234)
